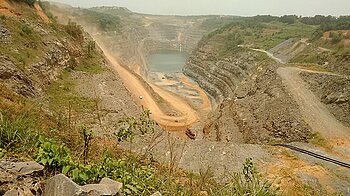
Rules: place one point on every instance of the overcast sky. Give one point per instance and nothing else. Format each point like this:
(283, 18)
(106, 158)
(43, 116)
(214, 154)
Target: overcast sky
(225, 7)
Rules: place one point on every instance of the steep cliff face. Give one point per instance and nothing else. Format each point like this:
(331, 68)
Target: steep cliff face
(253, 105)
(59, 68)
(219, 76)
(34, 53)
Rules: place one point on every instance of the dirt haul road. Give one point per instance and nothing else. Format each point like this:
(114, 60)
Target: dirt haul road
(315, 113)
(136, 87)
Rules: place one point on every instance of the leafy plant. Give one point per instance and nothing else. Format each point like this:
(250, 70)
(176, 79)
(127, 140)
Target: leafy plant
(55, 157)
(129, 125)
(75, 30)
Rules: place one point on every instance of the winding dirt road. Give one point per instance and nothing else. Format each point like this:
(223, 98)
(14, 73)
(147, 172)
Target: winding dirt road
(313, 110)
(136, 87)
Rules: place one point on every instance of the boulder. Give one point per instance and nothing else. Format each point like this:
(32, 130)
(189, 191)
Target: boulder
(25, 168)
(62, 185)
(105, 187)
(21, 168)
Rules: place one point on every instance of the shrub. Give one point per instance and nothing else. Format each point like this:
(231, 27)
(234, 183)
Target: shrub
(136, 177)
(26, 29)
(75, 30)
(129, 125)
(233, 40)
(248, 182)
(336, 37)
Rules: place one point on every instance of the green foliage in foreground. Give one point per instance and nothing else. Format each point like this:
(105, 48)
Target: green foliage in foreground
(140, 178)
(137, 178)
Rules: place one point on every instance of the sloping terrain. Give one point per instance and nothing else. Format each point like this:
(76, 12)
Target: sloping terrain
(255, 99)
(78, 94)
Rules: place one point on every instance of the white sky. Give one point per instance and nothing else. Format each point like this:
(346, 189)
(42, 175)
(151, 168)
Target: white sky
(225, 7)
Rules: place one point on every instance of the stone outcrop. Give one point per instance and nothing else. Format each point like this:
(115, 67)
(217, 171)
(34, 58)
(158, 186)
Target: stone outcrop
(19, 177)
(61, 185)
(218, 76)
(253, 105)
(333, 91)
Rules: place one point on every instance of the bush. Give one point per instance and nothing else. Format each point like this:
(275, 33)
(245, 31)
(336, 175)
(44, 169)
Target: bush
(75, 30)
(128, 126)
(136, 177)
(233, 40)
(246, 183)
(336, 37)
(26, 29)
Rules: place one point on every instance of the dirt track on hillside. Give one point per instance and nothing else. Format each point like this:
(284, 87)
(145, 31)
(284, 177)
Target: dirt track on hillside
(315, 113)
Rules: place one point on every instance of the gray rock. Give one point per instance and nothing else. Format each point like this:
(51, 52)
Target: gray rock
(12, 192)
(22, 168)
(25, 168)
(105, 187)
(19, 192)
(62, 185)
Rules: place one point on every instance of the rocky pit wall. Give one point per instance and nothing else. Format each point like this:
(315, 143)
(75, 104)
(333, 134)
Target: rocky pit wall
(254, 106)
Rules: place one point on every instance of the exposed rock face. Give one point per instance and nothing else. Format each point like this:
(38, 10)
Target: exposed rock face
(61, 185)
(253, 104)
(262, 111)
(48, 55)
(219, 77)
(15, 78)
(333, 91)
(19, 177)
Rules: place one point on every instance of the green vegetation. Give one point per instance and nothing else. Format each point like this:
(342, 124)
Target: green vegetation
(75, 30)
(29, 2)
(106, 22)
(246, 183)
(336, 37)
(129, 126)
(18, 133)
(26, 29)
(233, 40)
(26, 42)
(318, 140)
(256, 34)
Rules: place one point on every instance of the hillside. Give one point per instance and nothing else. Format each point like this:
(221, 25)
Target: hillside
(82, 113)
(276, 81)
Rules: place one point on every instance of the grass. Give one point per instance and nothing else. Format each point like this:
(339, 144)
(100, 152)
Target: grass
(25, 46)
(92, 65)
(318, 140)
